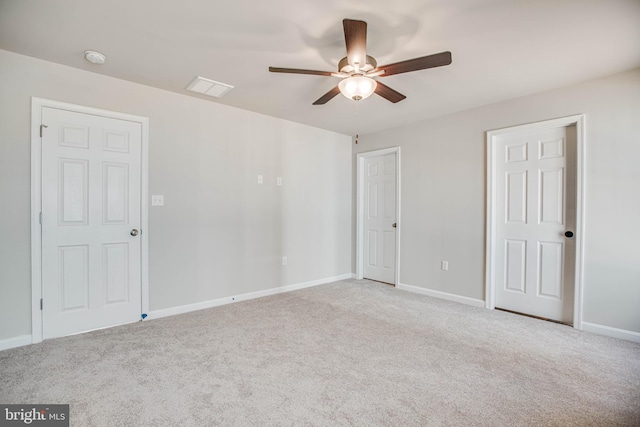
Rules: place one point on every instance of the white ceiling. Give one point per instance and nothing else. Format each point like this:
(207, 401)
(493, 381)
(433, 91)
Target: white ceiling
(501, 49)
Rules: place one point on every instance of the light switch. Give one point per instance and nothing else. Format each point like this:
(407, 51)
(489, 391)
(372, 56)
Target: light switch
(157, 200)
(279, 180)
(260, 179)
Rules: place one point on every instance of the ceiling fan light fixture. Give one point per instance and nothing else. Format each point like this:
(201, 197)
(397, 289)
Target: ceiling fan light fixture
(357, 87)
(358, 69)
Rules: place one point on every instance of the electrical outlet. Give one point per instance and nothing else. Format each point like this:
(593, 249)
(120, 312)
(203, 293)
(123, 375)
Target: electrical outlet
(284, 260)
(444, 265)
(157, 200)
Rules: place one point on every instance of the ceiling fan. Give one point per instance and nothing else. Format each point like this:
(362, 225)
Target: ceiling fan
(358, 69)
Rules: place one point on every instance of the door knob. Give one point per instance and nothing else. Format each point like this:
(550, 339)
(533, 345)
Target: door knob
(134, 232)
(394, 225)
(568, 234)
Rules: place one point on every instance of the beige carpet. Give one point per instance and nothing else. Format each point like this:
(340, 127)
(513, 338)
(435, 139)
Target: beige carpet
(347, 353)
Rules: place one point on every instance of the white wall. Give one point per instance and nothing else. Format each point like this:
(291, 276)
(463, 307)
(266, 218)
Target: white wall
(219, 233)
(443, 193)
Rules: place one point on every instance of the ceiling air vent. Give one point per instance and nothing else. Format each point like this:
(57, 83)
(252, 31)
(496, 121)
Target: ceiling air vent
(209, 87)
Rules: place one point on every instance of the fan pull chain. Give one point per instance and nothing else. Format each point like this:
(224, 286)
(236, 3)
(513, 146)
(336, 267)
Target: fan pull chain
(357, 135)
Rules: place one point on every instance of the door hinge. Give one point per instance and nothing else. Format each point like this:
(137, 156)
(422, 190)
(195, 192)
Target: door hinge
(41, 127)
(41, 303)
(40, 218)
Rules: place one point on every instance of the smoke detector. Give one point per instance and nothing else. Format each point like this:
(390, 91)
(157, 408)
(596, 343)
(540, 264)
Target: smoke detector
(94, 57)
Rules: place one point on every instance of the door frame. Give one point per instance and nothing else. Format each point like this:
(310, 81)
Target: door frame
(492, 136)
(360, 163)
(36, 203)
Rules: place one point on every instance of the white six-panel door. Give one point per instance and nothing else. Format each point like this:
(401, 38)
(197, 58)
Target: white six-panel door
(91, 183)
(535, 207)
(380, 218)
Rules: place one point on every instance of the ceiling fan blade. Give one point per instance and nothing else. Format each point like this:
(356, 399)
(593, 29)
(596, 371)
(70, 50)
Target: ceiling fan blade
(389, 94)
(298, 71)
(355, 37)
(430, 61)
(327, 96)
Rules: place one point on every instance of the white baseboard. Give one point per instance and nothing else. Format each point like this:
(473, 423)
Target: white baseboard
(172, 311)
(611, 332)
(442, 295)
(15, 342)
